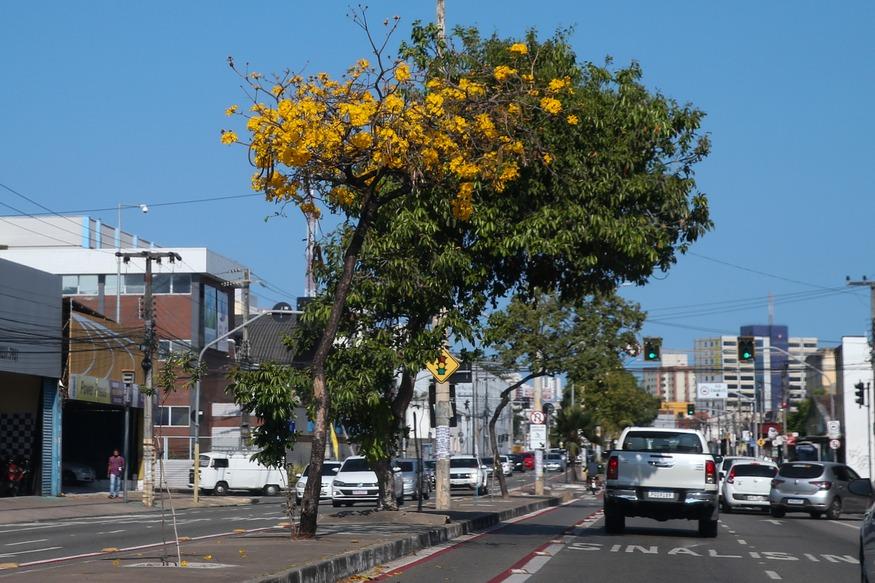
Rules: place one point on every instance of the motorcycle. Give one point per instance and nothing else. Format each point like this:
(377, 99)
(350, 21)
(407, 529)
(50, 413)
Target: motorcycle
(16, 471)
(593, 484)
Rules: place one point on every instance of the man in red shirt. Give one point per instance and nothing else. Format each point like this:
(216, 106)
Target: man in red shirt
(115, 471)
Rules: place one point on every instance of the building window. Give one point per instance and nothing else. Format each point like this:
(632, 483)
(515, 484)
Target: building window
(84, 285)
(173, 417)
(167, 347)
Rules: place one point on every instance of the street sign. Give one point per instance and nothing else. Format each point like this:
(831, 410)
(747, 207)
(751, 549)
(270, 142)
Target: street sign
(834, 429)
(537, 436)
(773, 432)
(711, 391)
(778, 441)
(761, 442)
(536, 417)
(442, 368)
(834, 444)
(745, 435)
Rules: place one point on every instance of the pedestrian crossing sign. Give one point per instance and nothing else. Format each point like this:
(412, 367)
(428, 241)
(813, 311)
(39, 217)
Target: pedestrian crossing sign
(444, 367)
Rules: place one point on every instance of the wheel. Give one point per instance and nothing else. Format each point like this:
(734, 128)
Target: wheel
(707, 528)
(835, 509)
(615, 522)
(777, 512)
(221, 488)
(271, 490)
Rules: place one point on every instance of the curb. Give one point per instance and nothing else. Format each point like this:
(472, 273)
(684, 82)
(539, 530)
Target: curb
(361, 560)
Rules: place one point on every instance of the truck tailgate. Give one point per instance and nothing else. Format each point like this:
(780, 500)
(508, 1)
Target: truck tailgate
(661, 470)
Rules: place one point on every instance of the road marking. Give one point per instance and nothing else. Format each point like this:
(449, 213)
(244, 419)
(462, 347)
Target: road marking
(773, 575)
(773, 521)
(111, 531)
(30, 551)
(741, 541)
(845, 524)
(27, 542)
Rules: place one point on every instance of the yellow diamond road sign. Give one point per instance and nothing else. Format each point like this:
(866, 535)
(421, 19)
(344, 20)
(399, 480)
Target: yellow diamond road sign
(445, 365)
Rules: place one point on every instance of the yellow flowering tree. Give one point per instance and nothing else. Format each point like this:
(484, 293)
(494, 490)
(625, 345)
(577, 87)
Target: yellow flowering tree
(386, 130)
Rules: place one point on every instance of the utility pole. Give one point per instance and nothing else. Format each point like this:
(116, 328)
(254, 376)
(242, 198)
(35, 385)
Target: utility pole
(243, 285)
(539, 453)
(149, 344)
(442, 445)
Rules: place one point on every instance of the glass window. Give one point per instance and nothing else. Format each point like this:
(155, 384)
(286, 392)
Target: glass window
(204, 461)
(134, 283)
(841, 473)
(804, 471)
(406, 466)
(329, 469)
(161, 283)
(666, 441)
(220, 462)
(109, 284)
(70, 284)
(358, 464)
(181, 283)
(754, 470)
(173, 416)
(88, 285)
(463, 463)
(852, 474)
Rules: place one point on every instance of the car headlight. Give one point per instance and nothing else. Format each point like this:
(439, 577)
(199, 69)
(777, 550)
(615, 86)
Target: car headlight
(339, 483)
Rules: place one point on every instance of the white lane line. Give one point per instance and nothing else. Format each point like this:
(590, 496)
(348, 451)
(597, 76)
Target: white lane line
(741, 541)
(845, 524)
(773, 575)
(30, 551)
(27, 542)
(112, 531)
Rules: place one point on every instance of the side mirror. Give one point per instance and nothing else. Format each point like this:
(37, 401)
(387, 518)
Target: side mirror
(862, 487)
(335, 470)
(722, 475)
(396, 469)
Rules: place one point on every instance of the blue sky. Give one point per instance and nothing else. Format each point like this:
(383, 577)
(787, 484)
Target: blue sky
(106, 102)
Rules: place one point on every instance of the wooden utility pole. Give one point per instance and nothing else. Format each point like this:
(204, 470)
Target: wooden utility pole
(149, 344)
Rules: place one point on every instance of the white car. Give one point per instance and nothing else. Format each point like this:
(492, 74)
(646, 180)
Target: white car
(329, 470)
(357, 482)
(466, 471)
(506, 465)
(747, 485)
(726, 464)
(72, 472)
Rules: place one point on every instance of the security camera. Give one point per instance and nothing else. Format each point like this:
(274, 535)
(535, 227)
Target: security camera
(144, 208)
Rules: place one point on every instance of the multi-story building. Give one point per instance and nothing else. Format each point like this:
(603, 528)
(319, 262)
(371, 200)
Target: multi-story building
(853, 366)
(797, 370)
(674, 380)
(716, 361)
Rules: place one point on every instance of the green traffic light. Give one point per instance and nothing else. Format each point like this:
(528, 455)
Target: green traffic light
(746, 355)
(651, 355)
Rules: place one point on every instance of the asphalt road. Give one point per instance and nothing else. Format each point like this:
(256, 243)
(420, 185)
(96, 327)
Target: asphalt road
(569, 543)
(52, 540)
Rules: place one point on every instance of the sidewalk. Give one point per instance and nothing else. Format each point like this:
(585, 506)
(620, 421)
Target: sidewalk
(348, 542)
(36, 508)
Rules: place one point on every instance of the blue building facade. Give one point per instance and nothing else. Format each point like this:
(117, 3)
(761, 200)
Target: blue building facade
(776, 371)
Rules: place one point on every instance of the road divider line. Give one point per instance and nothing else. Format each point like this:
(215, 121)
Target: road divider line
(845, 524)
(4, 555)
(773, 575)
(27, 542)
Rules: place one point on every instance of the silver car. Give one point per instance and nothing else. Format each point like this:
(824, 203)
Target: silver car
(410, 479)
(818, 488)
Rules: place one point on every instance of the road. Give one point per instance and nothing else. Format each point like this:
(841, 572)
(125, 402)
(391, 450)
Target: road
(569, 543)
(36, 543)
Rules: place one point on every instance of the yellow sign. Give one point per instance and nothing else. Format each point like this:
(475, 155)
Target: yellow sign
(761, 442)
(443, 368)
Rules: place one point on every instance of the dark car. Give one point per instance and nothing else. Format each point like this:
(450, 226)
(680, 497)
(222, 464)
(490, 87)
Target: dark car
(863, 488)
(523, 462)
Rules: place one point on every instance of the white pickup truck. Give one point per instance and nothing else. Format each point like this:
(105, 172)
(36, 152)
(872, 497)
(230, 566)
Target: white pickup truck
(663, 474)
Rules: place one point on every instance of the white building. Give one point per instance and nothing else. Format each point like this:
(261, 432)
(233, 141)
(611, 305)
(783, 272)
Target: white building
(854, 366)
(797, 372)
(716, 361)
(673, 381)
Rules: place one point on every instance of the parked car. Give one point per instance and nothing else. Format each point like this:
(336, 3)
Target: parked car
(407, 467)
(489, 462)
(506, 465)
(357, 482)
(466, 471)
(517, 462)
(523, 461)
(76, 472)
(329, 470)
(818, 488)
(553, 462)
(747, 485)
(222, 472)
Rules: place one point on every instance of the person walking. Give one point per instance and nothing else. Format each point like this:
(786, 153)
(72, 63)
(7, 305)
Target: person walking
(115, 470)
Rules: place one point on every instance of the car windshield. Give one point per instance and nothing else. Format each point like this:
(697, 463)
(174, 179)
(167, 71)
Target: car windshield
(554, 457)
(487, 461)
(359, 464)
(327, 470)
(406, 466)
(804, 471)
(204, 461)
(463, 463)
(663, 441)
(754, 470)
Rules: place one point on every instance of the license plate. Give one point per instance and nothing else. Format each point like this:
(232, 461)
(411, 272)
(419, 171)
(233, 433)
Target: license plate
(659, 495)
(795, 501)
(359, 492)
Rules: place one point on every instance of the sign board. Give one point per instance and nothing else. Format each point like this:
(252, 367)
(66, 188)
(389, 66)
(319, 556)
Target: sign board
(444, 367)
(711, 391)
(834, 443)
(761, 442)
(778, 441)
(834, 429)
(745, 435)
(537, 436)
(773, 432)
(536, 417)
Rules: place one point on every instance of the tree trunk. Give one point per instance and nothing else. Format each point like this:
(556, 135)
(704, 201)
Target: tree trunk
(310, 502)
(386, 480)
(493, 440)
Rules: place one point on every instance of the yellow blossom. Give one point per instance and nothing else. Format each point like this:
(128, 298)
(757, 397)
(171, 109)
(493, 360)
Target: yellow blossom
(276, 90)
(228, 137)
(231, 110)
(514, 109)
(502, 72)
(547, 157)
(558, 84)
(402, 72)
(361, 140)
(550, 105)
(519, 48)
(528, 77)
(572, 120)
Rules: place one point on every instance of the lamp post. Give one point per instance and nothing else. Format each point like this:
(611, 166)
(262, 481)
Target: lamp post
(118, 270)
(197, 388)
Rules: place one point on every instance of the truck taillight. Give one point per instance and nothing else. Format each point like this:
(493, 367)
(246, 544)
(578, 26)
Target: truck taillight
(613, 467)
(710, 472)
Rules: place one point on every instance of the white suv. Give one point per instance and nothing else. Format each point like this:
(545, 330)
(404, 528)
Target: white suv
(466, 471)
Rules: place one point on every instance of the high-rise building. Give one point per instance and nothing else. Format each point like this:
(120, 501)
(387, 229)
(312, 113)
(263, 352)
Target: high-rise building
(673, 381)
(716, 361)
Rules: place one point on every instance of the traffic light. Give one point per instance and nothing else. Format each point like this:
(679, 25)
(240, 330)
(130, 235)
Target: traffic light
(860, 391)
(746, 352)
(691, 409)
(652, 347)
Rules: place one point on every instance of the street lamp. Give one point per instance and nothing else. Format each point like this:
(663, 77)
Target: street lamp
(197, 388)
(144, 208)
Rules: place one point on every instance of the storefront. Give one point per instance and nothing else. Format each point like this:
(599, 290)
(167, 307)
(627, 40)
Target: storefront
(31, 349)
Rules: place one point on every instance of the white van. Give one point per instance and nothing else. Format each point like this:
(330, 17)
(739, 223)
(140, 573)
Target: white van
(221, 472)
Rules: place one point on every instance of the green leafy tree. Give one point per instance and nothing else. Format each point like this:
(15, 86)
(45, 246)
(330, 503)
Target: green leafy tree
(548, 336)
(616, 401)
(572, 422)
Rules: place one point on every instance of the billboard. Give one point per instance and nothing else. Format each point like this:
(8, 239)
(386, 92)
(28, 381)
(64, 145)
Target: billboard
(216, 316)
(711, 391)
